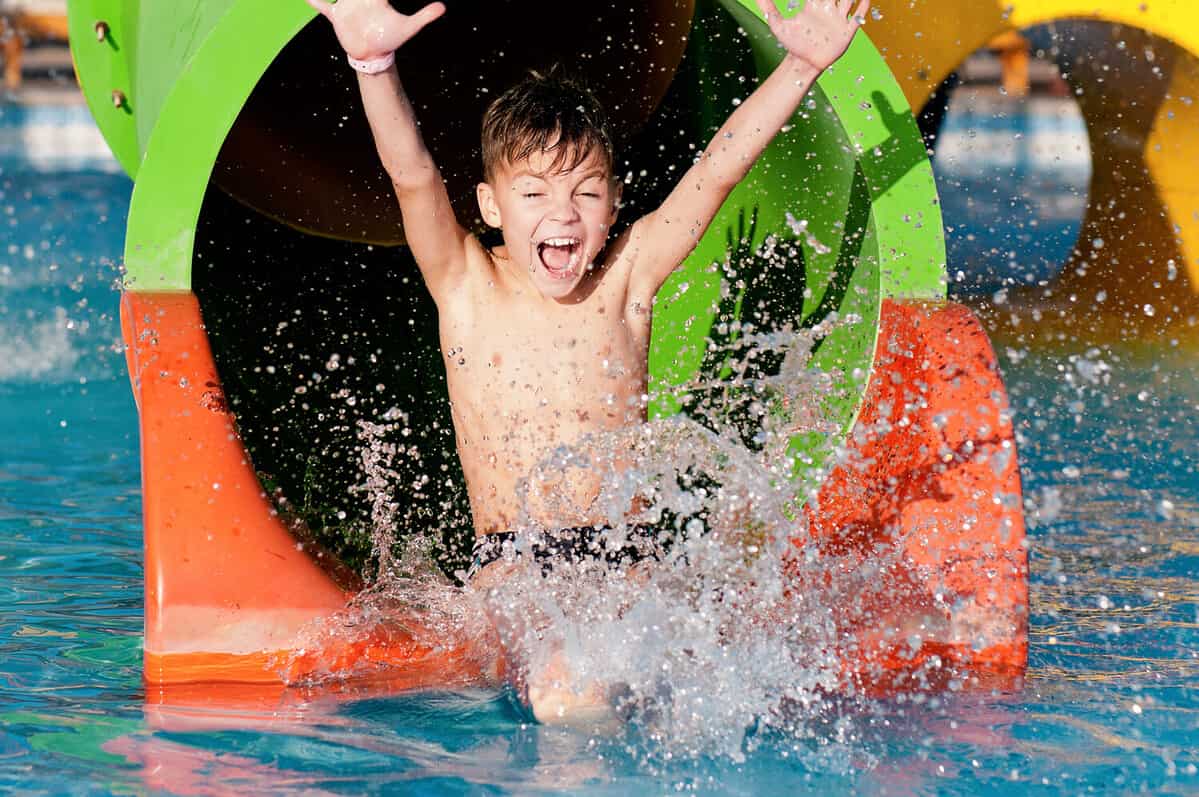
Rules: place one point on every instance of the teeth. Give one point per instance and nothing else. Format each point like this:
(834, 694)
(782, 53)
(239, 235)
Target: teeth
(560, 241)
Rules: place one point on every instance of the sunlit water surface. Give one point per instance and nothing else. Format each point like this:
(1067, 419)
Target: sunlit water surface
(1107, 442)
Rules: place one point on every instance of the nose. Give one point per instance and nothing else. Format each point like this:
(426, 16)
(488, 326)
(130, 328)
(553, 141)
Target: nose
(564, 209)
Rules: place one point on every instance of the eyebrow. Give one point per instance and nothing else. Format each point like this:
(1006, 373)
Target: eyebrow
(593, 174)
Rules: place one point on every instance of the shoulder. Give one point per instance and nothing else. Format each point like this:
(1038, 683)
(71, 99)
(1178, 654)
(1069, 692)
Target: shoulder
(462, 285)
(638, 255)
(623, 255)
(628, 291)
(478, 256)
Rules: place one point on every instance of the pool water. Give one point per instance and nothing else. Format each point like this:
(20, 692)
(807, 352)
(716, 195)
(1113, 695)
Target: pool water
(1013, 176)
(1107, 438)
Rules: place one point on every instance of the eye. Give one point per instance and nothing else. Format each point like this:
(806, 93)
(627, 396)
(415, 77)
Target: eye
(531, 194)
(589, 194)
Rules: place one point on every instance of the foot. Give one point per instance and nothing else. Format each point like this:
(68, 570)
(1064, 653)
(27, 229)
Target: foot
(556, 698)
(553, 693)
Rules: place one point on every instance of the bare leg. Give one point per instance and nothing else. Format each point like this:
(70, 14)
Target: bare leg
(544, 677)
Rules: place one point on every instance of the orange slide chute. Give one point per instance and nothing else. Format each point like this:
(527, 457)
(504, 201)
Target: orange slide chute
(931, 479)
(931, 485)
(228, 586)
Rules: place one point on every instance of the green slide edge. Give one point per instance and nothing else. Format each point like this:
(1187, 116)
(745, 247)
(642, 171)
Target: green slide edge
(189, 76)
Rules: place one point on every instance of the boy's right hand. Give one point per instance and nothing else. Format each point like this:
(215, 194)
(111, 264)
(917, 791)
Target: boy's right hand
(369, 29)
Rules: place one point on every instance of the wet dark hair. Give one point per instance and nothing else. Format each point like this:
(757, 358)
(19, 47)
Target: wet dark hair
(545, 112)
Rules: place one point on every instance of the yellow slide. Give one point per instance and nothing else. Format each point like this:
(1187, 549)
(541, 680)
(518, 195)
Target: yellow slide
(1136, 80)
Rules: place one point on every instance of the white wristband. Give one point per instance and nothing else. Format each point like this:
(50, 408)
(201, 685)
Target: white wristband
(372, 66)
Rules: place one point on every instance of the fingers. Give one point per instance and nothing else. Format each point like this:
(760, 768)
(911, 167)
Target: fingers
(861, 11)
(768, 9)
(320, 6)
(426, 14)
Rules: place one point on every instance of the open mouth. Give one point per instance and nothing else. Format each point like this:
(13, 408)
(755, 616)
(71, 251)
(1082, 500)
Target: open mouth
(560, 256)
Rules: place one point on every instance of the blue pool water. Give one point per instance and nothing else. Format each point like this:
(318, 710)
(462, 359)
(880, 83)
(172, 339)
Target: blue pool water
(1107, 452)
(1013, 177)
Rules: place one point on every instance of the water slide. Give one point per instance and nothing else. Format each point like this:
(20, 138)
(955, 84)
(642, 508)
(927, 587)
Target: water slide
(270, 306)
(1134, 70)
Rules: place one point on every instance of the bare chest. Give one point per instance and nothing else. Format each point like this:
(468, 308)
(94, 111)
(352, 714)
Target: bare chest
(581, 366)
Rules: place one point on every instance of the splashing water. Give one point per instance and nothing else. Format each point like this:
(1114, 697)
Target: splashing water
(406, 593)
(732, 625)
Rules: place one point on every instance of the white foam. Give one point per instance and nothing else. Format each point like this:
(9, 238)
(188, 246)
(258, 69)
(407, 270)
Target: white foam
(53, 139)
(37, 349)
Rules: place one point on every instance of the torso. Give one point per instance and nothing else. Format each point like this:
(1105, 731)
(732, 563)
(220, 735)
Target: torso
(527, 375)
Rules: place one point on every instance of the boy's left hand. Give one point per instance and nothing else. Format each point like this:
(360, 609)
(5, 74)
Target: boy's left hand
(820, 32)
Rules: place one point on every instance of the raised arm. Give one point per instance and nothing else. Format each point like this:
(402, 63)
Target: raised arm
(814, 38)
(370, 31)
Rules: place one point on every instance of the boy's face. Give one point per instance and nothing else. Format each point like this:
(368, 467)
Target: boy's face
(554, 223)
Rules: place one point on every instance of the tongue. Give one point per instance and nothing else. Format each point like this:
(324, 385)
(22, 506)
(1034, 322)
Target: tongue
(556, 258)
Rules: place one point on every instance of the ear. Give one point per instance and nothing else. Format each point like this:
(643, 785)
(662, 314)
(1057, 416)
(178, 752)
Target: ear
(488, 207)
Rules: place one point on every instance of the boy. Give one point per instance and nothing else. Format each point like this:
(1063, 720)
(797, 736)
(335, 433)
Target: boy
(545, 338)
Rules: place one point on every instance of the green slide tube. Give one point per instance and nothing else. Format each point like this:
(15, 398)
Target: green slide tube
(240, 124)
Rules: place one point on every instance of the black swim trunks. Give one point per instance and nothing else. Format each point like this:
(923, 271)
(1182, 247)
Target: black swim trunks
(569, 545)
